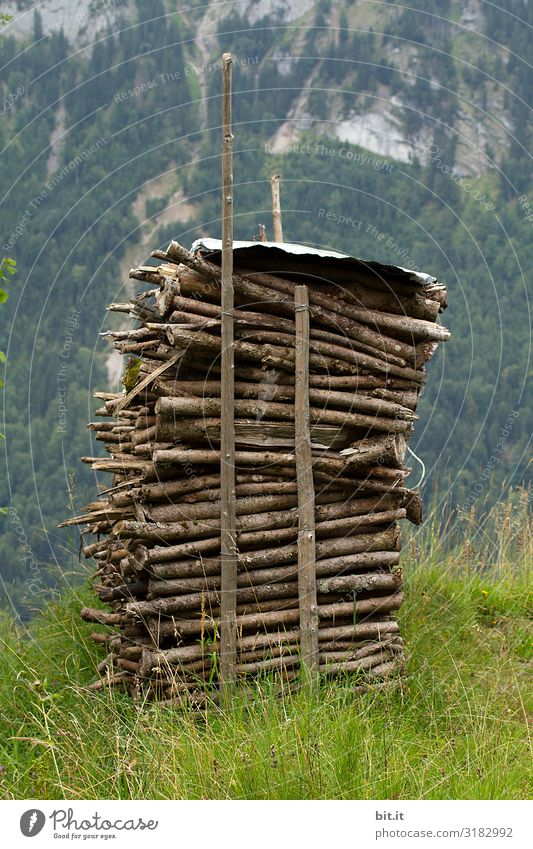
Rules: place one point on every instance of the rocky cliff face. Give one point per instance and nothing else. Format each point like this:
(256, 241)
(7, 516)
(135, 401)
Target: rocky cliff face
(402, 83)
(82, 22)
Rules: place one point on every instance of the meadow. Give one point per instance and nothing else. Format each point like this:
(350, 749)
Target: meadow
(457, 727)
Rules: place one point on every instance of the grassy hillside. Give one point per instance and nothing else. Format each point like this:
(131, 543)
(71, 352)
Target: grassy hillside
(459, 727)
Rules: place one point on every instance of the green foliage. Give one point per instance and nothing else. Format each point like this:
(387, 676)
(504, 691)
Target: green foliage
(67, 220)
(131, 373)
(456, 729)
(8, 267)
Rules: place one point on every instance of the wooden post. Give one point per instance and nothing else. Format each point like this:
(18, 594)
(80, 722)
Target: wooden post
(228, 552)
(276, 208)
(306, 492)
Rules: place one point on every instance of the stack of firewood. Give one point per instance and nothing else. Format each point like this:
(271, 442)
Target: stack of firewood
(158, 524)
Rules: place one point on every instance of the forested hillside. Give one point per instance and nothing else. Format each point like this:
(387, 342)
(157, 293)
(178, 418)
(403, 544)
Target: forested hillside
(110, 147)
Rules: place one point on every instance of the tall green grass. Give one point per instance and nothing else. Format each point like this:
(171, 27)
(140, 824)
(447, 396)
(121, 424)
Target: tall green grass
(458, 727)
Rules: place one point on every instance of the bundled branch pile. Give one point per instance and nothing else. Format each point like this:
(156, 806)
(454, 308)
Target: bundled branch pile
(158, 524)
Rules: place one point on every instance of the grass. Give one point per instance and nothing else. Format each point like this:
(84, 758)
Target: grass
(458, 727)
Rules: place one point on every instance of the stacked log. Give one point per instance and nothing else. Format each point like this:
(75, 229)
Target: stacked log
(158, 524)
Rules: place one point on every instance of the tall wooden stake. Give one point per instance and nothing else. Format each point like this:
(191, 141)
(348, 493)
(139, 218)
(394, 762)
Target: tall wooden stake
(228, 550)
(306, 492)
(276, 208)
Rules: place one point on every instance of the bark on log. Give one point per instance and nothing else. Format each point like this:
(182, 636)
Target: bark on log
(269, 391)
(380, 661)
(355, 382)
(160, 628)
(269, 641)
(380, 541)
(207, 594)
(406, 326)
(263, 286)
(90, 614)
(173, 605)
(272, 435)
(344, 360)
(331, 465)
(281, 496)
(330, 344)
(415, 306)
(369, 560)
(256, 523)
(267, 288)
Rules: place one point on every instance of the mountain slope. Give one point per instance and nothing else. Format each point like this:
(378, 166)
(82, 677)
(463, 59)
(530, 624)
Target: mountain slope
(391, 78)
(110, 146)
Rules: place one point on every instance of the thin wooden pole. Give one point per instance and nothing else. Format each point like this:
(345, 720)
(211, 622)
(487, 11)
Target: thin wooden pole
(276, 208)
(228, 552)
(306, 492)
